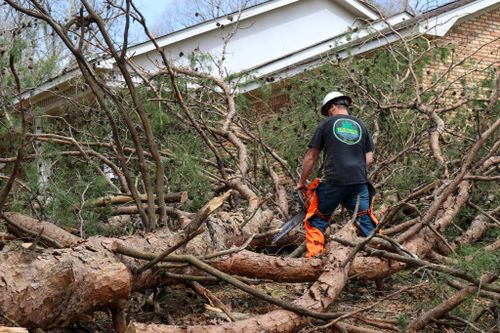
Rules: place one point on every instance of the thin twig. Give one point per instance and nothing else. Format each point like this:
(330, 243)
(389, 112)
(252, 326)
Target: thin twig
(79, 212)
(466, 322)
(33, 245)
(4, 193)
(482, 211)
(244, 223)
(352, 313)
(214, 300)
(398, 246)
(163, 255)
(231, 251)
(438, 235)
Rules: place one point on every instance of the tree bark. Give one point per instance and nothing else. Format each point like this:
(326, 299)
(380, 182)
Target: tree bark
(22, 226)
(56, 287)
(474, 233)
(173, 197)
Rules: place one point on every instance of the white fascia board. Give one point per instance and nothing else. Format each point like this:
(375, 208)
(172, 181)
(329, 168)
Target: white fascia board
(205, 27)
(441, 24)
(362, 9)
(47, 86)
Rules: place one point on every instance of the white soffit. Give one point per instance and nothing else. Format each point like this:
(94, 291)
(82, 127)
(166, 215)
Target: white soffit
(47, 86)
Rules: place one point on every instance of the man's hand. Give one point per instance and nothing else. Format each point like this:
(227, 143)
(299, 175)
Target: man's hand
(300, 187)
(369, 158)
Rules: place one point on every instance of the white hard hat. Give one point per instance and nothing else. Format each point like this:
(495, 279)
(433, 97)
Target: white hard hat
(330, 97)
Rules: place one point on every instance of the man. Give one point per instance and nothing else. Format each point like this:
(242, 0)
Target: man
(348, 150)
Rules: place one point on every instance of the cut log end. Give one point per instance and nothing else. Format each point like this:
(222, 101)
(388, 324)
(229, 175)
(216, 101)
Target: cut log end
(183, 197)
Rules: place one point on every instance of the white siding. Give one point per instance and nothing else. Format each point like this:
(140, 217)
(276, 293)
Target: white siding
(262, 39)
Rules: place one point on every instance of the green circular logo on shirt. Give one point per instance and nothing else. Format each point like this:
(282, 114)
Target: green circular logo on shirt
(347, 131)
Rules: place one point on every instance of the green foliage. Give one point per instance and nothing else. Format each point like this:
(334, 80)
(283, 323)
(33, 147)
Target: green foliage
(403, 321)
(477, 260)
(183, 166)
(201, 62)
(32, 72)
(440, 54)
(187, 172)
(60, 197)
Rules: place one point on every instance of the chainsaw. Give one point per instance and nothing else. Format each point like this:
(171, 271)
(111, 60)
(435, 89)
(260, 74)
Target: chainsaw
(294, 221)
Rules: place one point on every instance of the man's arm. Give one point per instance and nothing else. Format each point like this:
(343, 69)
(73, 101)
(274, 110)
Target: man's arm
(308, 164)
(369, 158)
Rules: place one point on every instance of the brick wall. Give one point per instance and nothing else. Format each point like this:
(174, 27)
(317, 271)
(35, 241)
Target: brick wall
(265, 103)
(475, 45)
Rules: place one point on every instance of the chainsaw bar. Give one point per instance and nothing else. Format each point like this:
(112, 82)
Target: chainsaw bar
(294, 221)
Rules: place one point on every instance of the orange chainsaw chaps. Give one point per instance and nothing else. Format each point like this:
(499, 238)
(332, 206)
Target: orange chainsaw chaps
(311, 199)
(372, 204)
(315, 241)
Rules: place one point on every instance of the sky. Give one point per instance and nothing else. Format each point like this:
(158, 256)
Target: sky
(152, 9)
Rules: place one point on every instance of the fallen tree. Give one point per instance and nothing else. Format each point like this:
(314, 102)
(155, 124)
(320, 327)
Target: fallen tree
(58, 278)
(95, 278)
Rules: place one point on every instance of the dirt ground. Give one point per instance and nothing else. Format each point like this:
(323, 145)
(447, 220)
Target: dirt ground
(180, 305)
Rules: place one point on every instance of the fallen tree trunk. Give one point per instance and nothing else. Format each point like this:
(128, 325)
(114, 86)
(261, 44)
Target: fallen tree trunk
(94, 278)
(243, 263)
(56, 287)
(174, 197)
(251, 264)
(23, 226)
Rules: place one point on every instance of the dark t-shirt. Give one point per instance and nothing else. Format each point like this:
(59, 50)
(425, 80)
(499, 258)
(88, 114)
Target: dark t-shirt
(344, 140)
